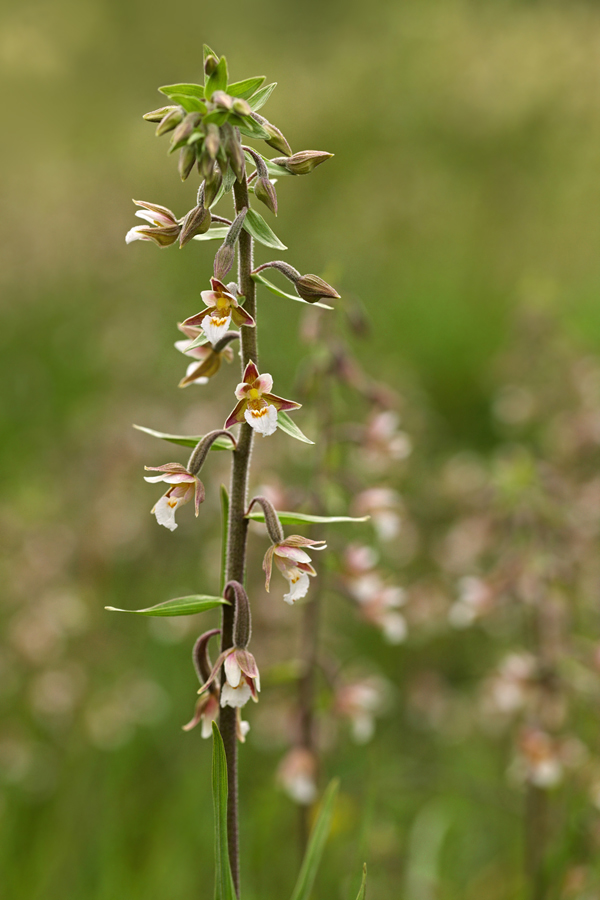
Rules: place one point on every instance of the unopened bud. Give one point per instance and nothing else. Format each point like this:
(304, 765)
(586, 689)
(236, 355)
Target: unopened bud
(265, 192)
(312, 288)
(277, 139)
(185, 127)
(222, 99)
(197, 221)
(212, 141)
(241, 107)
(210, 64)
(170, 121)
(212, 187)
(187, 158)
(224, 260)
(234, 151)
(206, 165)
(157, 115)
(304, 162)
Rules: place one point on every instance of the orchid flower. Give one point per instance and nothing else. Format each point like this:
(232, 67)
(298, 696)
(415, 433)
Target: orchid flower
(242, 678)
(221, 307)
(293, 562)
(257, 405)
(184, 486)
(207, 361)
(163, 228)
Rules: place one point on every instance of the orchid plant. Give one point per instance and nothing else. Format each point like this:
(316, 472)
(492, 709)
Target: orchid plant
(208, 124)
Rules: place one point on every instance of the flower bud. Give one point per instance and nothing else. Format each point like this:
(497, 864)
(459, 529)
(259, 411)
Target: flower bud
(212, 141)
(212, 187)
(185, 127)
(222, 99)
(206, 165)
(241, 107)
(170, 121)
(304, 162)
(224, 260)
(277, 140)
(265, 192)
(210, 64)
(197, 221)
(157, 115)
(187, 158)
(312, 288)
(234, 151)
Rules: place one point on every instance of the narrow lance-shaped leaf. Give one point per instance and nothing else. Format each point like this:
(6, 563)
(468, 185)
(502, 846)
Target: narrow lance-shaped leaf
(288, 426)
(186, 90)
(218, 233)
(296, 518)
(218, 80)
(258, 100)
(255, 225)
(250, 127)
(363, 885)
(224, 533)
(259, 278)
(316, 845)
(224, 889)
(185, 440)
(245, 88)
(180, 606)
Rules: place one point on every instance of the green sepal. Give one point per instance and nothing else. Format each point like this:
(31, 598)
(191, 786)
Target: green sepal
(224, 888)
(295, 518)
(316, 845)
(184, 440)
(249, 127)
(246, 88)
(218, 80)
(180, 606)
(288, 426)
(363, 885)
(258, 100)
(218, 233)
(258, 228)
(259, 278)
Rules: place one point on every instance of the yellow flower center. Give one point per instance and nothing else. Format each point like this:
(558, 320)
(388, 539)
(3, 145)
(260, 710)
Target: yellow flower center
(254, 393)
(222, 303)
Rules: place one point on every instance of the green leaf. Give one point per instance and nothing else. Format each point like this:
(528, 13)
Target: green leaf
(258, 100)
(258, 228)
(184, 90)
(245, 88)
(249, 127)
(224, 889)
(218, 233)
(180, 606)
(274, 170)
(218, 80)
(184, 440)
(224, 533)
(260, 279)
(363, 885)
(218, 117)
(289, 427)
(316, 845)
(295, 518)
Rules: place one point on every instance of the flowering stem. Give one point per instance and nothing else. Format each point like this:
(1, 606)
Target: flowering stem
(238, 527)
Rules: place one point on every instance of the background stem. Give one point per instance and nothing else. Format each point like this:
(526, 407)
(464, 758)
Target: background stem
(238, 529)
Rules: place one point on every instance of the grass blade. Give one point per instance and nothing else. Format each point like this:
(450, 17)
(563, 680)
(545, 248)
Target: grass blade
(224, 889)
(316, 845)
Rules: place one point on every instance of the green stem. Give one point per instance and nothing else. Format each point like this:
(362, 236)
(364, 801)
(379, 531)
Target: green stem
(238, 528)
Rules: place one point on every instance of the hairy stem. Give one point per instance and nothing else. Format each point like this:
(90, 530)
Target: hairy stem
(238, 528)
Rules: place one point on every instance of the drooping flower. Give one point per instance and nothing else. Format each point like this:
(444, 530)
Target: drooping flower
(163, 228)
(361, 702)
(242, 678)
(293, 562)
(297, 775)
(257, 405)
(221, 308)
(206, 712)
(207, 361)
(184, 486)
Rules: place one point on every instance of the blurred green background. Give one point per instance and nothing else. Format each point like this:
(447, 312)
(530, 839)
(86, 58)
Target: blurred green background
(466, 177)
